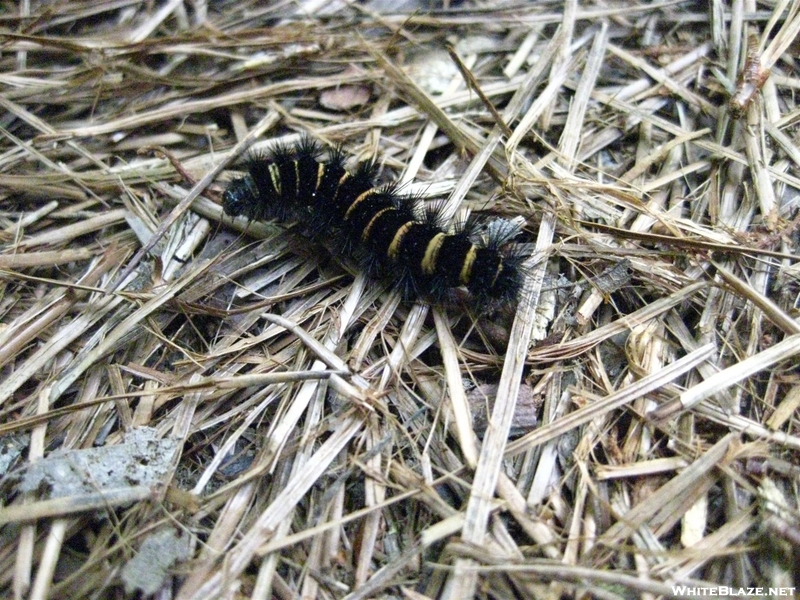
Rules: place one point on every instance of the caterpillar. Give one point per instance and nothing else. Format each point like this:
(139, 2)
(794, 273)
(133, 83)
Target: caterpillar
(389, 233)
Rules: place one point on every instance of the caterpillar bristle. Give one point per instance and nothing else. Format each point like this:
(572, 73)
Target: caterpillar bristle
(500, 232)
(434, 214)
(473, 227)
(308, 147)
(390, 234)
(337, 157)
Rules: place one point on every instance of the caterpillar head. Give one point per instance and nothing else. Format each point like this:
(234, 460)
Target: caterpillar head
(241, 198)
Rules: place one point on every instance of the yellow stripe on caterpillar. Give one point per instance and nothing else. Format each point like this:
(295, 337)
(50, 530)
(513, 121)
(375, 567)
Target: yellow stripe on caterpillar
(320, 175)
(394, 247)
(466, 268)
(365, 235)
(432, 253)
(342, 179)
(275, 176)
(358, 199)
(497, 273)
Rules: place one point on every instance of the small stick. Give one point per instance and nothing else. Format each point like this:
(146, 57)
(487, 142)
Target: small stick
(471, 82)
(752, 78)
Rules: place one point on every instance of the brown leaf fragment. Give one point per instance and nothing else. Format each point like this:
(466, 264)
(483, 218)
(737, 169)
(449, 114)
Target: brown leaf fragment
(526, 414)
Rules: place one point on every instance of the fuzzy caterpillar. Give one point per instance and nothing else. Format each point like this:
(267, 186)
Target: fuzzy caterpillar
(387, 232)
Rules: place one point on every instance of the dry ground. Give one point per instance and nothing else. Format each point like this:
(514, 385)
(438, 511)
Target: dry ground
(199, 408)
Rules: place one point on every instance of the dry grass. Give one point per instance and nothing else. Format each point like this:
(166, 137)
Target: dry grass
(224, 415)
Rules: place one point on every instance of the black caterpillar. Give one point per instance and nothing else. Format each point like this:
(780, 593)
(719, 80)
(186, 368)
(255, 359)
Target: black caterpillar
(387, 232)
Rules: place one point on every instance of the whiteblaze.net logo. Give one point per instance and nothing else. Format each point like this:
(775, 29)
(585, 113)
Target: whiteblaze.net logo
(732, 592)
